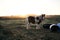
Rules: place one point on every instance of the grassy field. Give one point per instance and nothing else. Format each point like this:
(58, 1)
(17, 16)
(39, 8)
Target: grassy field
(16, 30)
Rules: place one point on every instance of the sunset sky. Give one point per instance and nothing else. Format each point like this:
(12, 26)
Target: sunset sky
(24, 7)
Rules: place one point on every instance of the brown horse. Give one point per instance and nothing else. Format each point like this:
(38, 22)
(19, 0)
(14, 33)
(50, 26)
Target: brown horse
(35, 20)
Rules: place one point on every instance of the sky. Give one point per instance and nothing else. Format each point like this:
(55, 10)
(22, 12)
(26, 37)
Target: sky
(24, 7)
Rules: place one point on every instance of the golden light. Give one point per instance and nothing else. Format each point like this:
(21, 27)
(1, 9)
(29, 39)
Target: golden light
(25, 7)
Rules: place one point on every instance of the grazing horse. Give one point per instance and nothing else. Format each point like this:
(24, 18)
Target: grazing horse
(35, 20)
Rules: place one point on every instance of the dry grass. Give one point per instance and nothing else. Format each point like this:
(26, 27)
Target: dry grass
(16, 30)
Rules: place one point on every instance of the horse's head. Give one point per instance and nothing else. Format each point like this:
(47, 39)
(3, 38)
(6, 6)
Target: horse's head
(43, 15)
(40, 18)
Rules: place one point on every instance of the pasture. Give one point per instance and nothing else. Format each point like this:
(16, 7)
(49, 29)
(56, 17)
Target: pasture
(15, 29)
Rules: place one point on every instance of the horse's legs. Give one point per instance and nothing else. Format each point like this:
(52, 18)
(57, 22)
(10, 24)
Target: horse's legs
(37, 26)
(28, 26)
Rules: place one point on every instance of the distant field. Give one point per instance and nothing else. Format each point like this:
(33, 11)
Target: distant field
(15, 29)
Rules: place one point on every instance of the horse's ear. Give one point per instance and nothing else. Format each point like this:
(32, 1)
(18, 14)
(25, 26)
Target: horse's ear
(43, 14)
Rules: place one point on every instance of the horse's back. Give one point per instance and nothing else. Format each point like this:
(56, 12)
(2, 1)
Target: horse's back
(31, 19)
